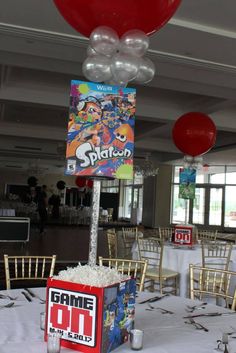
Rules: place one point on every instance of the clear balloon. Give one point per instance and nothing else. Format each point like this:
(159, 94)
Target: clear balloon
(124, 68)
(188, 159)
(134, 42)
(97, 68)
(104, 40)
(146, 71)
(91, 51)
(117, 83)
(198, 159)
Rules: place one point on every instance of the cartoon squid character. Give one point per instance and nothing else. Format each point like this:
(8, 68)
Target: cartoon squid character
(123, 135)
(88, 112)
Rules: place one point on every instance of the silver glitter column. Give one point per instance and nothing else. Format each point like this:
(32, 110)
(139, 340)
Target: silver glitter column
(186, 211)
(94, 222)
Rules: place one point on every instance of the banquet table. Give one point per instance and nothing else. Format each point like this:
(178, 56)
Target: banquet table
(178, 259)
(166, 333)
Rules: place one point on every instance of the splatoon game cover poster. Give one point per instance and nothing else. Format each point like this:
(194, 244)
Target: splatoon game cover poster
(100, 140)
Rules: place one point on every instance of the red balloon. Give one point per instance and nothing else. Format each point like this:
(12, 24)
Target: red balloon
(194, 133)
(90, 183)
(122, 15)
(80, 182)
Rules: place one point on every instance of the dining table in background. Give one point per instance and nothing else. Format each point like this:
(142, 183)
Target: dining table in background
(163, 332)
(179, 258)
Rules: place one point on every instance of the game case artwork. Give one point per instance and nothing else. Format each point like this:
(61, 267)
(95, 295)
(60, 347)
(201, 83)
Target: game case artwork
(118, 314)
(100, 140)
(187, 183)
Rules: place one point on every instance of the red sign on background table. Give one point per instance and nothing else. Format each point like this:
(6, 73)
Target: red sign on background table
(184, 235)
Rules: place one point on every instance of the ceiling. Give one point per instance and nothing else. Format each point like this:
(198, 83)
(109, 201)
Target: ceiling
(40, 53)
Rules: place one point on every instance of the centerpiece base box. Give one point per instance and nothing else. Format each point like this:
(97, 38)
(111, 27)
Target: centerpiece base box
(90, 319)
(185, 235)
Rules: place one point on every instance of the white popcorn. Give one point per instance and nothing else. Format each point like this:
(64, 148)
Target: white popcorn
(96, 276)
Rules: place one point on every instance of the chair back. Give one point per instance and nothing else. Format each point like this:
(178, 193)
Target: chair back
(206, 235)
(18, 268)
(129, 236)
(133, 268)
(151, 249)
(216, 254)
(165, 233)
(154, 233)
(205, 282)
(112, 243)
(110, 213)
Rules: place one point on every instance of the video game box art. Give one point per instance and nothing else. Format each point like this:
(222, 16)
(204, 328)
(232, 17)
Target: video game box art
(100, 139)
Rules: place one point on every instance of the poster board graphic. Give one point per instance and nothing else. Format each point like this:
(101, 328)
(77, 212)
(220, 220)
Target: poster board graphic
(100, 139)
(187, 183)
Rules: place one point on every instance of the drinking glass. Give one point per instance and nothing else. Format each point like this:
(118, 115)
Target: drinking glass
(54, 343)
(42, 320)
(136, 339)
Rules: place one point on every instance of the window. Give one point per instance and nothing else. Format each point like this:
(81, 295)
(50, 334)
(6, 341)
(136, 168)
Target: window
(199, 206)
(111, 186)
(215, 198)
(217, 175)
(179, 212)
(231, 175)
(132, 200)
(230, 207)
(215, 209)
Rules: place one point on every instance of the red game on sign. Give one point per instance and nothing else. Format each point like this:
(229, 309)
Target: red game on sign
(184, 235)
(90, 319)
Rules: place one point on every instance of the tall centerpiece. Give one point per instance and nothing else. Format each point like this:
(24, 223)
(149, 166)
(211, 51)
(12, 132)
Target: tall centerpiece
(100, 142)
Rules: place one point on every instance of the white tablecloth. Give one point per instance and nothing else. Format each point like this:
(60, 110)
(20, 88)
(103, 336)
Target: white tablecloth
(178, 259)
(163, 333)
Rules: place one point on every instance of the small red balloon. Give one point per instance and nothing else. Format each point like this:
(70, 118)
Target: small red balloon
(80, 182)
(90, 183)
(194, 133)
(122, 15)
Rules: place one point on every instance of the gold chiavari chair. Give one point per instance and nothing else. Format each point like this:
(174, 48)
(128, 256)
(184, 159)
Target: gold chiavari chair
(165, 233)
(110, 214)
(216, 254)
(32, 268)
(212, 282)
(151, 233)
(204, 235)
(151, 249)
(112, 243)
(129, 234)
(133, 268)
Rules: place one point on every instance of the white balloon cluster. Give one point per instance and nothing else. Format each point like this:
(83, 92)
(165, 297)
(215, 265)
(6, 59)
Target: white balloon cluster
(193, 162)
(118, 61)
